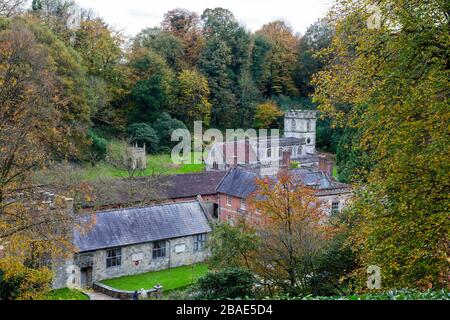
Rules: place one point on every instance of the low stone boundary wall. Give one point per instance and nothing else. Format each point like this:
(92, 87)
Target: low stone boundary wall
(155, 293)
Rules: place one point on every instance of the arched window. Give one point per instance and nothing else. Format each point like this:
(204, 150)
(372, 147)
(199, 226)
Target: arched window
(293, 125)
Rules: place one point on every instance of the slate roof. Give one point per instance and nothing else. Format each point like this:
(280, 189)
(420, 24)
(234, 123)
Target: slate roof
(140, 225)
(128, 192)
(238, 183)
(191, 185)
(241, 183)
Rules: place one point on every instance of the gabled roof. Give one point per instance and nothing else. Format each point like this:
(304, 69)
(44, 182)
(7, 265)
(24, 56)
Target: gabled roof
(238, 183)
(140, 225)
(142, 190)
(241, 183)
(191, 185)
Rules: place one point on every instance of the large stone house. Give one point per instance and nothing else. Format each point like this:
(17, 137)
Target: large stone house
(239, 184)
(136, 240)
(299, 139)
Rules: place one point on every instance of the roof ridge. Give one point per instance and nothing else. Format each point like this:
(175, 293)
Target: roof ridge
(148, 206)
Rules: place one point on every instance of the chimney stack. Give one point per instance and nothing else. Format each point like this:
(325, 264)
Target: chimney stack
(286, 162)
(325, 165)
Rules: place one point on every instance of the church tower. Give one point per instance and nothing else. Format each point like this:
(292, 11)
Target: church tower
(302, 124)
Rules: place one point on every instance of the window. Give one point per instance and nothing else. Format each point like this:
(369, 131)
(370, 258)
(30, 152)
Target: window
(269, 152)
(294, 125)
(308, 125)
(159, 249)
(243, 205)
(215, 166)
(229, 201)
(280, 152)
(113, 258)
(335, 207)
(200, 241)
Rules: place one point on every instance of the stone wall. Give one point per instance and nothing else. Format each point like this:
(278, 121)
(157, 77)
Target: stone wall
(155, 293)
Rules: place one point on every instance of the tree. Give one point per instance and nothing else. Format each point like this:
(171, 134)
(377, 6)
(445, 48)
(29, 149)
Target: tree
(152, 87)
(214, 63)
(309, 60)
(281, 58)
(164, 126)
(193, 94)
(99, 47)
(165, 44)
(98, 148)
(224, 61)
(143, 133)
(185, 25)
(36, 102)
(267, 115)
(9, 8)
(395, 77)
(21, 283)
(231, 246)
(230, 283)
(290, 221)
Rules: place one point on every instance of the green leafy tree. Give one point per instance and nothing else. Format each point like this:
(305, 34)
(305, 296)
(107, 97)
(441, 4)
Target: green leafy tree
(152, 87)
(193, 94)
(267, 115)
(395, 75)
(165, 44)
(164, 127)
(98, 149)
(231, 245)
(280, 60)
(143, 133)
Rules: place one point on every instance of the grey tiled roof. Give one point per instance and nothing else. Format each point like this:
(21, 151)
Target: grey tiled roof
(140, 225)
(241, 183)
(191, 185)
(238, 183)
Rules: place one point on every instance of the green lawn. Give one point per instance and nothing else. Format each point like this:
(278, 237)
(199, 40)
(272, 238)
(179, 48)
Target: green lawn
(66, 294)
(170, 279)
(157, 164)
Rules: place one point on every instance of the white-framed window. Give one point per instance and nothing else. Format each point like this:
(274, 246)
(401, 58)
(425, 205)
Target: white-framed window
(269, 152)
(229, 201)
(243, 204)
(113, 257)
(200, 241)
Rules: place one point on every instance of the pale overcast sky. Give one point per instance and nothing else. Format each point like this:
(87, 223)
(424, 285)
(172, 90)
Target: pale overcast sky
(131, 16)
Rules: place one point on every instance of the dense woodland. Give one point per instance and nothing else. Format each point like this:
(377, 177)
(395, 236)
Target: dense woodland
(382, 93)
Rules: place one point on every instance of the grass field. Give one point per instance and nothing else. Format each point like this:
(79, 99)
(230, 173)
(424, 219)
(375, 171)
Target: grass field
(66, 294)
(156, 164)
(170, 279)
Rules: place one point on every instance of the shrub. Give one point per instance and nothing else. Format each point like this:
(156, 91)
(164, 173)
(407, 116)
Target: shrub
(98, 148)
(17, 282)
(141, 133)
(230, 283)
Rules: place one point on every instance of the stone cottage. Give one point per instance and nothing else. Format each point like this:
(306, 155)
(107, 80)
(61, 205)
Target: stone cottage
(136, 240)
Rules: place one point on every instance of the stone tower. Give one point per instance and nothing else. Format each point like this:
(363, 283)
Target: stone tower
(302, 124)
